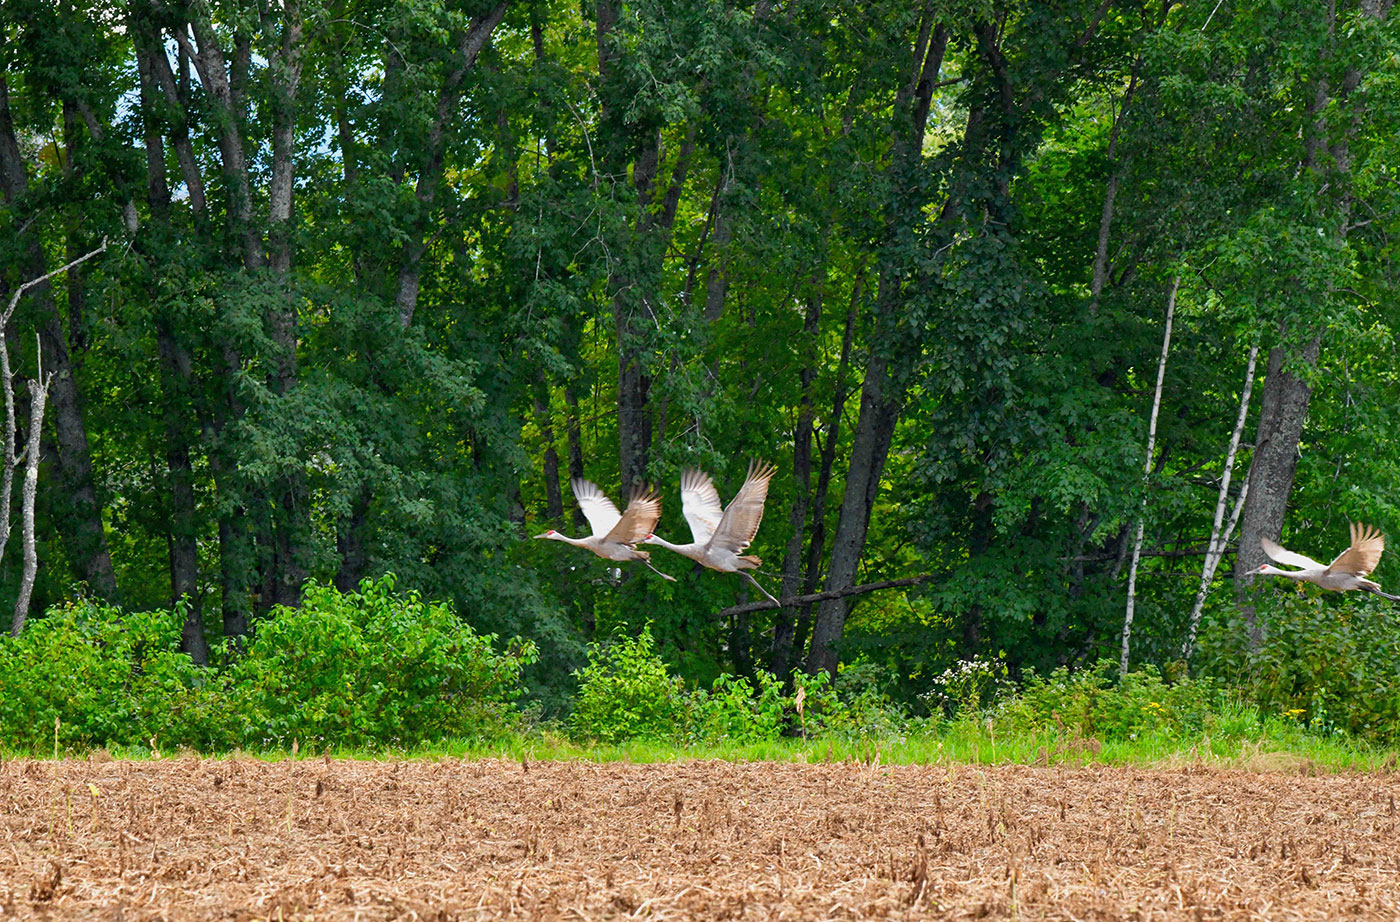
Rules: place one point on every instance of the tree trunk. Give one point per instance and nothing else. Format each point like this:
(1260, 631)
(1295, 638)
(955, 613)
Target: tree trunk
(786, 624)
(184, 521)
(293, 525)
(554, 497)
(1215, 550)
(878, 415)
(350, 543)
(1115, 176)
(222, 89)
(1285, 403)
(469, 46)
(86, 538)
(38, 391)
(816, 547)
(177, 376)
(880, 396)
(1282, 411)
(1146, 472)
(574, 432)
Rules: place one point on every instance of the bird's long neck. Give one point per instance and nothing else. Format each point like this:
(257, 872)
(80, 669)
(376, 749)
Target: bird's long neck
(1291, 574)
(576, 542)
(677, 548)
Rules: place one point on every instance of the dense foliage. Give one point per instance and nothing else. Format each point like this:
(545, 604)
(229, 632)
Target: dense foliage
(369, 668)
(382, 278)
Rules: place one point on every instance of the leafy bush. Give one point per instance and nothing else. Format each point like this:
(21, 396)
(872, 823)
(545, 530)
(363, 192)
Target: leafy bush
(967, 687)
(108, 679)
(371, 668)
(857, 705)
(1089, 703)
(626, 692)
(1332, 661)
(733, 710)
(359, 669)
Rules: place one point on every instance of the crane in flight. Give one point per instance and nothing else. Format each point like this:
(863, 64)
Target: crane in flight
(615, 534)
(1347, 571)
(722, 533)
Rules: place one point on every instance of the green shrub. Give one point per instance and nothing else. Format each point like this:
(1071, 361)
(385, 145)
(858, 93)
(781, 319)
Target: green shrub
(108, 679)
(626, 692)
(371, 668)
(967, 688)
(1089, 703)
(733, 710)
(1330, 661)
(856, 706)
(358, 669)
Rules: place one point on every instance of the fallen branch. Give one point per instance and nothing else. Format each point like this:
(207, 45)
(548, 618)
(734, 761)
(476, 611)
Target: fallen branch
(831, 594)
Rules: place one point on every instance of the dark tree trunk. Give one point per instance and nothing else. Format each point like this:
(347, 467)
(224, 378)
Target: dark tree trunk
(981, 540)
(292, 526)
(874, 431)
(1284, 407)
(184, 522)
(554, 497)
(575, 437)
(881, 397)
(1281, 415)
(350, 544)
(86, 539)
(177, 384)
(816, 548)
(469, 46)
(77, 297)
(785, 626)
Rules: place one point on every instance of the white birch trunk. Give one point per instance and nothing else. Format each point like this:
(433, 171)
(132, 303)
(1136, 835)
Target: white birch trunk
(1218, 538)
(1146, 471)
(39, 393)
(12, 457)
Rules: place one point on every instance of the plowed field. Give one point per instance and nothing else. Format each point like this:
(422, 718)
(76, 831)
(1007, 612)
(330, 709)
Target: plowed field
(218, 839)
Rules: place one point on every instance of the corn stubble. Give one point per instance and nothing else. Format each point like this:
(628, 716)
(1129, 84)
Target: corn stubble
(188, 838)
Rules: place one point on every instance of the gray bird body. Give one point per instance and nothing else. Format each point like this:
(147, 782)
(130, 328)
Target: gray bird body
(721, 533)
(615, 534)
(1348, 571)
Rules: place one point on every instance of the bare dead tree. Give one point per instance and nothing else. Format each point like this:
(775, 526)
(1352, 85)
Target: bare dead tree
(38, 396)
(1218, 538)
(39, 392)
(1146, 472)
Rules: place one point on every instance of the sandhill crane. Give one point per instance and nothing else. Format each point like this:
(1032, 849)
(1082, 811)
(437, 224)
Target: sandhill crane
(1348, 571)
(722, 533)
(614, 533)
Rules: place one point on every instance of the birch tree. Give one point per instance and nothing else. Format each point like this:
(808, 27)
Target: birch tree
(29, 454)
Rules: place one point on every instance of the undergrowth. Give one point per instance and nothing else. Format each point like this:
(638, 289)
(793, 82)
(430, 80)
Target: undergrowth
(375, 673)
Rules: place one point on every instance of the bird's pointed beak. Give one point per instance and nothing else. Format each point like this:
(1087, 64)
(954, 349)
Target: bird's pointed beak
(544, 535)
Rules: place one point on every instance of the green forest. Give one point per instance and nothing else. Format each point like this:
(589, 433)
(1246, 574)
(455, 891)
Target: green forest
(1047, 314)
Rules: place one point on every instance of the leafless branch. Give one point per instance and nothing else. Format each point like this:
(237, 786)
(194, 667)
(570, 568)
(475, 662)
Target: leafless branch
(34, 283)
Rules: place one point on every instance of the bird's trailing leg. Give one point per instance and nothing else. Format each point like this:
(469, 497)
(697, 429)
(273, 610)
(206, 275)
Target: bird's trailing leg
(1383, 594)
(658, 572)
(765, 592)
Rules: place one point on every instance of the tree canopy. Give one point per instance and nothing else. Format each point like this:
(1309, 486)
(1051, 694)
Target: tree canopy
(382, 278)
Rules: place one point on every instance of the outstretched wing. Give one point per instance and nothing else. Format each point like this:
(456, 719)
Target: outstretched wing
(1280, 555)
(1367, 544)
(740, 521)
(640, 518)
(700, 505)
(602, 515)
